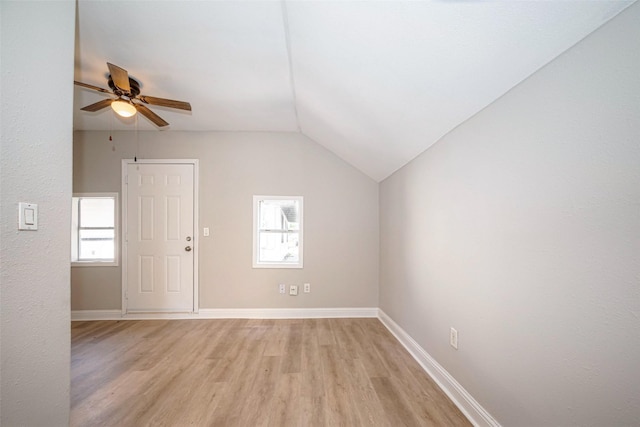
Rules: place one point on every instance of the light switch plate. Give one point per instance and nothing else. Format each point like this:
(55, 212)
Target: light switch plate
(27, 216)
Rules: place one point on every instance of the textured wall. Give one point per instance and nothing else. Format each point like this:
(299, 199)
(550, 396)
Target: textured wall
(35, 159)
(521, 228)
(340, 208)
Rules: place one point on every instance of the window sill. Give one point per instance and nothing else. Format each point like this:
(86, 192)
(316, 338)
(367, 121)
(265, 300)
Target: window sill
(273, 265)
(94, 264)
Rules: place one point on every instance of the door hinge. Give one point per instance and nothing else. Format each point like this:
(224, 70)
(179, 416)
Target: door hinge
(126, 179)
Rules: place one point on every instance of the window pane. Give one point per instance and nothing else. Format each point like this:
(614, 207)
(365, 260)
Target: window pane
(279, 215)
(96, 244)
(278, 247)
(278, 234)
(97, 212)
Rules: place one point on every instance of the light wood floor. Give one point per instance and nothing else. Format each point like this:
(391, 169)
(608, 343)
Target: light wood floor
(241, 372)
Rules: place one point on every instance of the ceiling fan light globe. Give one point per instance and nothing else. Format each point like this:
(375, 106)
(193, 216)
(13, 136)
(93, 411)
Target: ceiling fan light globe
(123, 108)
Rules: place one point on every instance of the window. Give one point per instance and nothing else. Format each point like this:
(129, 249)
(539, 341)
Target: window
(277, 232)
(93, 229)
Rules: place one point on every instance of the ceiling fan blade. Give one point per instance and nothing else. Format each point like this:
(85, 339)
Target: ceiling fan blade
(151, 115)
(88, 86)
(98, 105)
(165, 102)
(120, 77)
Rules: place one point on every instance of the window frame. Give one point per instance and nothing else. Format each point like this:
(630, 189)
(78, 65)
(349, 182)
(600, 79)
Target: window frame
(75, 232)
(256, 230)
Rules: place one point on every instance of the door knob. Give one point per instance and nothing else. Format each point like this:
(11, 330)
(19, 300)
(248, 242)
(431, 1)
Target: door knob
(188, 239)
(188, 248)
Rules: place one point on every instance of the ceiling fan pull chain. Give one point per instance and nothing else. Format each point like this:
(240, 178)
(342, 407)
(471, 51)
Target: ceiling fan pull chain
(135, 158)
(113, 145)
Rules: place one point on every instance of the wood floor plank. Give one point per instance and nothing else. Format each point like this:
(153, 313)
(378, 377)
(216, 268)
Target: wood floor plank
(325, 334)
(249, 372)
(370, 358)
(285, 409)
(276, 339)
(259, 401)
(312, 411)
(393, 402)
(366, 402)
(292, 354)
(312, 385)
(192, 402)
(243, 372)
(97, 408)
(338, 410)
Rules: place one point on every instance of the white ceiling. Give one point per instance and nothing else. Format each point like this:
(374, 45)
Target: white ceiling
(376, 82)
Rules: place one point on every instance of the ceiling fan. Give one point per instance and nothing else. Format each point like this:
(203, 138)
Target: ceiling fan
(129, 101)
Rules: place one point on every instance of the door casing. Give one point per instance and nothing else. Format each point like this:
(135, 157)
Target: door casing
(196, 227)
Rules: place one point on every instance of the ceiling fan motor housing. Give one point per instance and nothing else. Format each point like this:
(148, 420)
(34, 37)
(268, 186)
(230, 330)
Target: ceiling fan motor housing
(134, 91)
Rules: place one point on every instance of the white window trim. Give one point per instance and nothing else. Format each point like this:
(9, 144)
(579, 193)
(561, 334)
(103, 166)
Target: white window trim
(116, 226)
(300, 263)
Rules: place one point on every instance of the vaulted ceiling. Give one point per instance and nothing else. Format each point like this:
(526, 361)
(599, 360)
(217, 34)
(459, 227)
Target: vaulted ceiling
(376, 82)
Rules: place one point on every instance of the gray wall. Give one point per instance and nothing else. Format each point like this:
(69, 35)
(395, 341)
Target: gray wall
(521, 228)
(340, 217)
(35, 161)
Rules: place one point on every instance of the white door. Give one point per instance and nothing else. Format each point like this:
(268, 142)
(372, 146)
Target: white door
(159, 237)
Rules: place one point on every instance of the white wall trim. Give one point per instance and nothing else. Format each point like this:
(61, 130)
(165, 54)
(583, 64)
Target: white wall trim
(460, 397)
(232, 313)
(96, 315)
(288, 313)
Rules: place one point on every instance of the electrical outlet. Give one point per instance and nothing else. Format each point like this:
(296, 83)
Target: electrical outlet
(293, 290)
(283, 288)
(307, 288)
(453, 338)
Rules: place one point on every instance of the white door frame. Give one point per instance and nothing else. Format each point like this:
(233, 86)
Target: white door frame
(196, 227)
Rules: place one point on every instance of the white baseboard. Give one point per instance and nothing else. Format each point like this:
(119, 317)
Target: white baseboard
(287, 313)
(96, 315)
(461, 397)
(232, 313)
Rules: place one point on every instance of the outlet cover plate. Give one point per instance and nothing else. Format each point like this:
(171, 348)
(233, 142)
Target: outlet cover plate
(453, 338)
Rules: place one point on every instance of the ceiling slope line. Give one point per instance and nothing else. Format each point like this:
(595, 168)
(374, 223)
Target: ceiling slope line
(287, 39)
